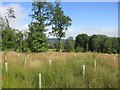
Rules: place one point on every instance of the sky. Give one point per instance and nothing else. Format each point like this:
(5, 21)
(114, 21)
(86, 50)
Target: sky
(87, 17)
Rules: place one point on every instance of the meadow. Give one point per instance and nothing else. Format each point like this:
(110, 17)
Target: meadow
(64, 71)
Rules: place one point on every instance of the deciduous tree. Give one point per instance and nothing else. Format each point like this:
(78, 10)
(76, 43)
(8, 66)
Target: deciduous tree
(60, 23)
(41, 19)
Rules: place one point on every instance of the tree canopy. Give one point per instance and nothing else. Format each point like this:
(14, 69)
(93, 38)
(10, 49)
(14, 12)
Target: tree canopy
(60, 23)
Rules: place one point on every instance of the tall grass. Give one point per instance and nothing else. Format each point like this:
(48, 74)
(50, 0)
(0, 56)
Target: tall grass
(64, 72)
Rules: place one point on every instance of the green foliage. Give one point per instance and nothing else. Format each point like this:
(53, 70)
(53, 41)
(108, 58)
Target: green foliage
(57, 46)
(36, 37)
(60, 23)
(118, 47)
(8, 39)
(19, 39)
(93, 43)
(37, 42)
(51, 46)
(69, 44)
(96, 43)
(82, 41)
(25, 47)
(79, 49)
(107, 45)
(114, 43)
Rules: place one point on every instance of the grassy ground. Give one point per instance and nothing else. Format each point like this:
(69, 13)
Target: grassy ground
(65, 70)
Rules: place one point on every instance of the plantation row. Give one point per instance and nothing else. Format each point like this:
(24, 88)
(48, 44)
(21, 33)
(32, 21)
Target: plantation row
(73, 71)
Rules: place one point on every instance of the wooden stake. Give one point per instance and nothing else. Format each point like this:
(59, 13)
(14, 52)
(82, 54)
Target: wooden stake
(114, 58)
(25, 61)
(95, 64)
(83, 71)
(6, 67)
(39, 80)
(50, 62)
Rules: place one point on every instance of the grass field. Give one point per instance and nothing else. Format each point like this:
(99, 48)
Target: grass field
(65, 71)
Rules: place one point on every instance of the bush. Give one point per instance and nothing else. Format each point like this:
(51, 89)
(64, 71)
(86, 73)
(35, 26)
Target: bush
(79, 49)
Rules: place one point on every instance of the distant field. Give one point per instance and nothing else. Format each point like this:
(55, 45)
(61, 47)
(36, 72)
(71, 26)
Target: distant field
(65, 71)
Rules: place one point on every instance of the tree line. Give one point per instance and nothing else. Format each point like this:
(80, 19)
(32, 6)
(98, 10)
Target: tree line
(95, 43)
(47, 14)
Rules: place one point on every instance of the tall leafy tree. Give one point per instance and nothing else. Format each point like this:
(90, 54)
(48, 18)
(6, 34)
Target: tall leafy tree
(41, 19)
(60, 23)
(82, 41)
(8, 34)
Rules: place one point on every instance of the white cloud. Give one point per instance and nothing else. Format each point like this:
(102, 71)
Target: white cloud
(105, 31)
(112, 32)
(20, 13)
(25, 27)
(72, 32)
